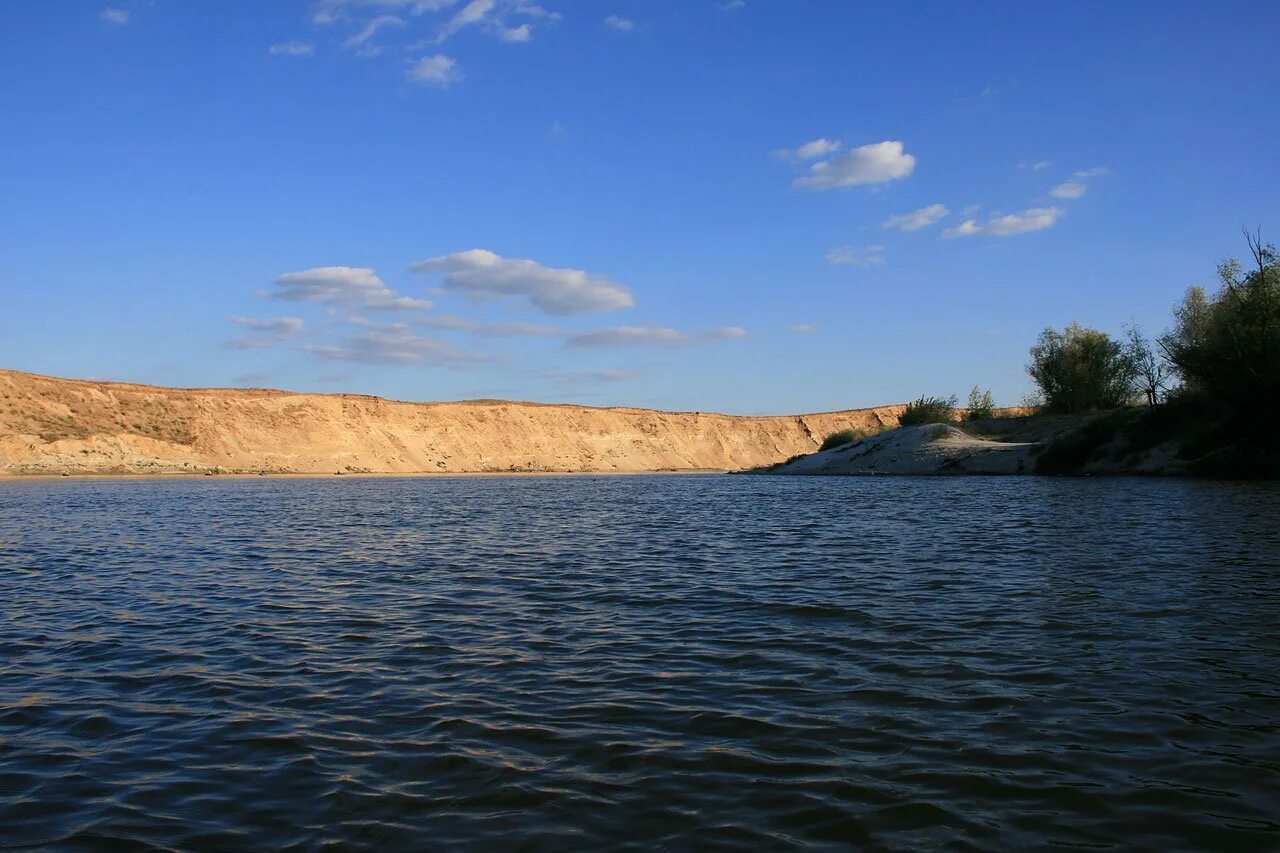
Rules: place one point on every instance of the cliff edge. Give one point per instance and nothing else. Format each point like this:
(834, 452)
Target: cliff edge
(65, 426)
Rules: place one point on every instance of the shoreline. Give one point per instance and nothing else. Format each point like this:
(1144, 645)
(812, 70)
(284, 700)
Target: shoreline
(6, 477)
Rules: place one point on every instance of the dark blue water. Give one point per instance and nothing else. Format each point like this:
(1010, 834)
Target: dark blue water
(579, 662)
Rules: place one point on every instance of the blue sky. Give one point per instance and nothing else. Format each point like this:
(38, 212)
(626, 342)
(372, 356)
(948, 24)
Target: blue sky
(751, 207)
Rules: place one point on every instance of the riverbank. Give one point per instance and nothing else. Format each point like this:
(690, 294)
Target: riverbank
(1187, 439)
(51, 426)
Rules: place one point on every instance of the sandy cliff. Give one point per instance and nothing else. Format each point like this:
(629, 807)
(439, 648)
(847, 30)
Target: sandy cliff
(55, 426)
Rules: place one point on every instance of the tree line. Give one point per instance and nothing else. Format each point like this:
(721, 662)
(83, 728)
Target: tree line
(1222, 347)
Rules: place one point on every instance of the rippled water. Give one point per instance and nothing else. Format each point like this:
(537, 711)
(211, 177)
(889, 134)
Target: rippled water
(570, 662)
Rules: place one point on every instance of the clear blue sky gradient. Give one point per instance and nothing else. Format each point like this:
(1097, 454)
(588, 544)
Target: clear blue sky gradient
(157, 174)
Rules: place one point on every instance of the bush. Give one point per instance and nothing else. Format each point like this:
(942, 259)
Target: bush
(1227, 346)
(842, 437)
(980, 404)
(929, 410)
(1082, 370)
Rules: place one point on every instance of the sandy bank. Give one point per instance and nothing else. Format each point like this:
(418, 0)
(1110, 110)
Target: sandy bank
(54, 426)
(920, 450)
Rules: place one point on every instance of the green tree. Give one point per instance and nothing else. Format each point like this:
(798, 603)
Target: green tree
(1151, 368)
(980, 404)
(1082, 370)
(1227, 345)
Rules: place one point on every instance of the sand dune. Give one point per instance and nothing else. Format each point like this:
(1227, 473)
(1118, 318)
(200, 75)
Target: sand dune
(927, 449)
(63, 426)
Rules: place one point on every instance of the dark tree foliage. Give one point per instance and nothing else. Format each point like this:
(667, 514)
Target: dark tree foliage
(1082, 370)
(1227, 346)
(1151, 368)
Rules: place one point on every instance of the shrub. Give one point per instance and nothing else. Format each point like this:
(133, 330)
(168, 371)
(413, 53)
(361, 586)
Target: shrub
(929, 410)
(980, 404)
(842, 437)
(1227, 345)
(1082, 370)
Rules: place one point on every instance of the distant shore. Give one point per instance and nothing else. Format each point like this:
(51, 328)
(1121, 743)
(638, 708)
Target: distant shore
(54, 426)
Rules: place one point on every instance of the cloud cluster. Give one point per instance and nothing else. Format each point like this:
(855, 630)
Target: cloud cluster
(624, 25)
(497, 18)
(350, 286)
(114, 16)
(917, 219)
(507, 20)
(1007, 225)
(868, 164)
(478, 274)
(481, 274)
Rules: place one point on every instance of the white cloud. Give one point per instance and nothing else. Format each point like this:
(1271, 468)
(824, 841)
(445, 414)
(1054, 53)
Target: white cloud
(277, 325)
(354, 286)
(515, 34)
(857, 256)
(917, 219)
(359, 41)
(732, 5)
(1035, 219)
(1036, 165)
(395, 344)
(481, 274)
(291, 48)
(614, 22)
(1096, 171)
(968, 228)
(1071, 189)
(627, 336)
(590, 375)
(328, 11)
(454, 323)
(491, 17)
(114, 16)
(438, 70)
(869, 164)
(269, 333)
(802, 328)
(475, 12)
(533, 10)
(816, 148)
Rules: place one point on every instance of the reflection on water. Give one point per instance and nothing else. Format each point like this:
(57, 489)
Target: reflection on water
(680, 661)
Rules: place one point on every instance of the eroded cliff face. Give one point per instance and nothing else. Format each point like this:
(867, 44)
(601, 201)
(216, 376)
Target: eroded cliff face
(63, 426)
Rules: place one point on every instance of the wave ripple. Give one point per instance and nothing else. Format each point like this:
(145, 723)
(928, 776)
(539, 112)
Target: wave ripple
(585, 662)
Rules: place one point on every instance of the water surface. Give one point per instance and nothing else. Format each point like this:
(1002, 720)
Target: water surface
(585, 662)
